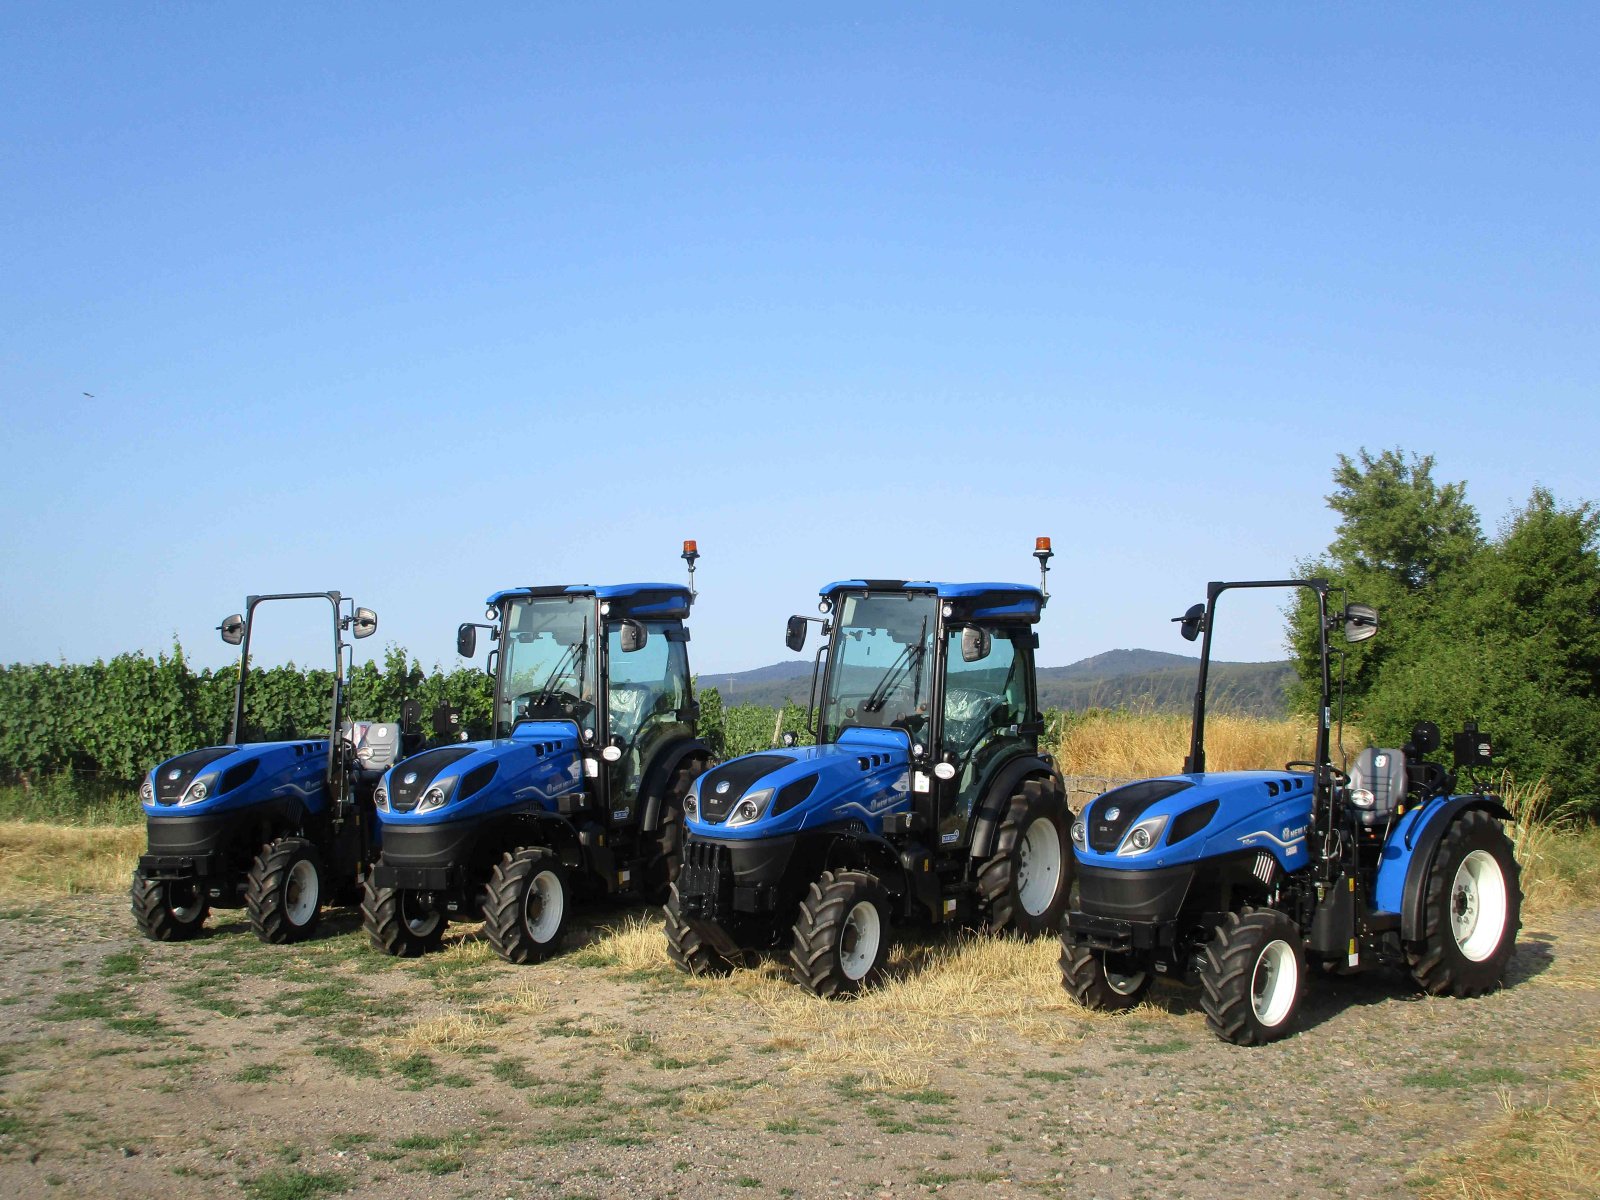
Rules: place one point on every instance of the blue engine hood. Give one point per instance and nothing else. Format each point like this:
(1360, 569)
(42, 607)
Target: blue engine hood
(239, 776)
(864, 776)
(534, 767)
(1208, 814)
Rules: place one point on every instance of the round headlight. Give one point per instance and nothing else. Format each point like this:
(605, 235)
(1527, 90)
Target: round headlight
(691, 805)
(825, 607)
(146, 792)
(380, 797)
(197, 792)
(1139, 839)
(432, 798)
(1080, 835)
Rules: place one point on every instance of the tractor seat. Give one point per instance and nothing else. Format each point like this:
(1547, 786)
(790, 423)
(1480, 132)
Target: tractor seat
(1377, 785)
(376, 744)
(625, 706)
(966, 714)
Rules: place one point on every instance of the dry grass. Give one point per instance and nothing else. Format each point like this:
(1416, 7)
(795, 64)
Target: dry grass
(445, 1031)
(1137, 745)
(1559, 853)
(49, 861)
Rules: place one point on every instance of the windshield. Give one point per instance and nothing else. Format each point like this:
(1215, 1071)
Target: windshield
(881, 667)
(546, 668)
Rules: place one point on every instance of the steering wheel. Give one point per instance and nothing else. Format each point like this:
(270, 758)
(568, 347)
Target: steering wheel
(1339, 776)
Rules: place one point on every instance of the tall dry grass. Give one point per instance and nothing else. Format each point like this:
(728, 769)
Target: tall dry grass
(49, 861)
(1118, 745)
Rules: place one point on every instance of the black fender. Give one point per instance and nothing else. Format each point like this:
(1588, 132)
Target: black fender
(654, 786)
(1423, 852)
(991, 810)
(870, 852)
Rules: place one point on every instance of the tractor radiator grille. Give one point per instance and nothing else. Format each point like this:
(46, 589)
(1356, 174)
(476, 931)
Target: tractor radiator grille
(705, 880)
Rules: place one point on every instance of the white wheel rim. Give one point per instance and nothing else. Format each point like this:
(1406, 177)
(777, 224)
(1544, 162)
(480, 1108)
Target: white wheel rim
(1124, 983)
(1478, 905)
(185, 913)
(860, 939)
(1038, 867)
(300, 892)
(542, 908)
(1274, 983)
(420, 921)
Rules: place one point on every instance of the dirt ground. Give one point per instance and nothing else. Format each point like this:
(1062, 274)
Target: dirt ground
(223, 1067)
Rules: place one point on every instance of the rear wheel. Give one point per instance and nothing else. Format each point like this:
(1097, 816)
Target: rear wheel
(401, 922)
(1252, 975)
(1098, 982)
(842, 935)
(1472, 908)
(168, 910)
(1026, 882)
(526, 905)
(283, 891)
(687, 946)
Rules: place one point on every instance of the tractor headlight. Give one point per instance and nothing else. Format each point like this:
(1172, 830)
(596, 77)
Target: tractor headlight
(197, 791)
(436, 796)
(1362, 798)
(1080, 835)
(750, 809)
(691, 807)
(1142, 836)
(147, 792)
(380, 797)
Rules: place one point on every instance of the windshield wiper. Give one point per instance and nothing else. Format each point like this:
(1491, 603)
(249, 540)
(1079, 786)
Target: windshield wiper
(898, 670)
(575, 654)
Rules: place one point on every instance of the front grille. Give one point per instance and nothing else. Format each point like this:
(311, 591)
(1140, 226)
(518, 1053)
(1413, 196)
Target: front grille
(734, 779)
(411, 778)
(705, 880)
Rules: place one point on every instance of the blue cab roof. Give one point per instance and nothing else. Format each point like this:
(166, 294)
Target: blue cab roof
(997, 599)
(638, 599)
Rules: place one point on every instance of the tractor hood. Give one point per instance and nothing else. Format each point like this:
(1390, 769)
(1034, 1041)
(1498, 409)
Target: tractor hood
(539, 762)
(1181, 819)
(219, 778)
(862, 777)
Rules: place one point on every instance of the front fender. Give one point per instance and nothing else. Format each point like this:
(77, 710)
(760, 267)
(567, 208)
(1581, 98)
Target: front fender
(991, 809)
(1408, 856)
(660, 774)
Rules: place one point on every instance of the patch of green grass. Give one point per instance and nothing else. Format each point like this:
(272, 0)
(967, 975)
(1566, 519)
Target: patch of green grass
(1170, 1046)
(209, 992)
(418, 1070)
(928, 1096)
(349, 1141)
(124, 962)
(96, 1004)
(514, 1073)
(441, 1164)
(1463, 1077)
(562, 1094)
(295, 1185)
(566, 1027)
(352, 1060)
(1061, 1076)
(747, 1181)
(258, 1073)
(144, 1025)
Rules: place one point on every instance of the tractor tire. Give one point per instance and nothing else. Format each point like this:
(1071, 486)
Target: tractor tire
(842, 935)
(1472, 909)
(526, 904)
(1091, 983)
(1252, 975)
(661, 871)
(168, 912)
(283, 891)
(686, 947)
(1026, 883)
(398, 923)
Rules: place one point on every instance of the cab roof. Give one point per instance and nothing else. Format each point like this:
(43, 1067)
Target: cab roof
(634, 599)
(978, 600)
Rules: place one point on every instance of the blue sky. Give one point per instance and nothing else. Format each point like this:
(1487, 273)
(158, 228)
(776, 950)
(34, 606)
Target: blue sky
(418, 303)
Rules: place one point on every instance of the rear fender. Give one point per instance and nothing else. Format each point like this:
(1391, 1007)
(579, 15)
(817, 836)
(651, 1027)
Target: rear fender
(659, 777)
(1408, 856)
(991, 810)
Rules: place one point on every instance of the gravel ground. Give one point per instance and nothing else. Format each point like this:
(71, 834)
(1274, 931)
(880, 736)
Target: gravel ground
(223, 1067)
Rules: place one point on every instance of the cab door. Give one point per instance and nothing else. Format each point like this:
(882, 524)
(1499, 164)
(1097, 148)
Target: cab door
(647, 708)
(985, 707)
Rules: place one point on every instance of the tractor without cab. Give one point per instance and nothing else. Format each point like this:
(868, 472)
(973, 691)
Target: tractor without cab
(276, 827)
(1241, 880)
(578, 794)
(926, 801)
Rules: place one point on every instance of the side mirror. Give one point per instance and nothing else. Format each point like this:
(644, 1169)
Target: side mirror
(365, 623)
(975, 644)
(467, 640)
(410, 716)
(1190, 624)
(1360, 622)
(446, 721)
(794, 634)
(232, 629)
(634, 635)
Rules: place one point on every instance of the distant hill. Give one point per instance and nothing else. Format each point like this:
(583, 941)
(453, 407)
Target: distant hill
(1149, 679)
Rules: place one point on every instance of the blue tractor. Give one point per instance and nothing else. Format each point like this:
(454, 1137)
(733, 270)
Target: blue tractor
(580, 791)
(1242, 880)
(927, 799)
(276, 827)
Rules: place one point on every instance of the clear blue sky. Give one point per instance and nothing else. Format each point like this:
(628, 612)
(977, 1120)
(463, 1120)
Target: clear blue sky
(418, 302)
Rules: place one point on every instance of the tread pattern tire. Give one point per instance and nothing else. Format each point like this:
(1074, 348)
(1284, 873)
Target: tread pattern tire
(661, 872)
(266, 890)
(504, 905)
(997, 877)
(1227, 975)
(814, 956)
(1439, 966)
(383, 917)
(686, 947)
(153, 912)
(1083, 975)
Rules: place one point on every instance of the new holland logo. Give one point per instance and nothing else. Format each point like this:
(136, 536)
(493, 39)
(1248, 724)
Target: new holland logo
(175, 773)
(722, 788)
(1113, 813)
(410, 777)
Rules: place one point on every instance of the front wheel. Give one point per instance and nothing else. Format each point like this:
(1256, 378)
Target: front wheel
(525, 905)
(1252, 975)
(1097, 983)
(283, 891)
(841, 938)
(168, 911)
(1026, 882)
(1472, 909)
(687, 946)
(399, 921)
